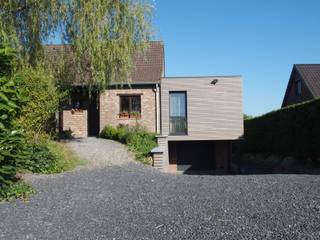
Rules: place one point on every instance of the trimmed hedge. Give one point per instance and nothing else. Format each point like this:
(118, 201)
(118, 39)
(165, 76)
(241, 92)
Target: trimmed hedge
(291, 131)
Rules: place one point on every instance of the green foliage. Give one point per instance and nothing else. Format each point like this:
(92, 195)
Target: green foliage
(291, 131)
(137, 138)
(66, 159)
(41, 160)
(66, 134)
(13, 153)
(41, 100)
(109, 132)
(246, 117)
(50, 157)
(10, 97)
(16, 190)
(8, 59)
(104, 35)
(28, 100)
(12, 150)
(141, 143)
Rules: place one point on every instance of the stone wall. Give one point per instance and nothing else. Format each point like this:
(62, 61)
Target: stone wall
(110, 108)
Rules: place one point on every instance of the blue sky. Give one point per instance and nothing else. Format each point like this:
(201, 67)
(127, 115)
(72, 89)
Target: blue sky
(258, 39)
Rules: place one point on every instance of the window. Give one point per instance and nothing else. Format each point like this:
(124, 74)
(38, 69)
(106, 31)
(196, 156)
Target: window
(298, 87)
(178, 113)
(130, 106)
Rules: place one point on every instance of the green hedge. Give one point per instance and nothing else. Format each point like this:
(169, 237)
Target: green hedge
(291, 131)
(137, 138)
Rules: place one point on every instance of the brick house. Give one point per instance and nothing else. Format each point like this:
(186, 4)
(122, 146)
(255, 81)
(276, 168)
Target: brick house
(303, 85)
(118, 105)
(196, 118)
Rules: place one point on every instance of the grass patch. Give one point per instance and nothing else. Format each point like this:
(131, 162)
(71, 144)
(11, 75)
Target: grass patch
(16, 190)
(66, 159)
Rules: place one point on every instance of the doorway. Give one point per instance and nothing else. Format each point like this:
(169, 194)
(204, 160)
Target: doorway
(192, 155)
(93, 115)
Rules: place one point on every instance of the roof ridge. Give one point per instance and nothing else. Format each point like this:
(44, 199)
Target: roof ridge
(68, 44)
(305, 64)
(212, 76)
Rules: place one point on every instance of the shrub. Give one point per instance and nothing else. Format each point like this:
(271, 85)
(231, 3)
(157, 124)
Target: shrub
(137, 138)
(16, 190)
(12, 141)
(141, 142)
(13, 153)
(291, 131)
(65, 134)
(50, 157)
(41, 101)
(41, 160)
(109, 132)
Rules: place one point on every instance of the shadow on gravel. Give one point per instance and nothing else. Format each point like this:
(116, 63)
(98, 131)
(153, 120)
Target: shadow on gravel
(247, 169)
(250, 169)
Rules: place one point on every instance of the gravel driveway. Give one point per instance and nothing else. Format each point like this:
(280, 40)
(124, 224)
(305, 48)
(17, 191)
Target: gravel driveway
(116, 198)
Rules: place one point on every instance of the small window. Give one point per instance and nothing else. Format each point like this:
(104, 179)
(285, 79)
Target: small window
(298, 87)
(130, 106)
(178, 113)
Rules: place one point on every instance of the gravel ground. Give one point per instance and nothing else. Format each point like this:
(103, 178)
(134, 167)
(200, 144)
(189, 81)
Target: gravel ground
(101, 153)
(132, 201)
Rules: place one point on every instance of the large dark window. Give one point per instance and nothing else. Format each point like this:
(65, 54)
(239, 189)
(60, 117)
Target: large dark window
(130, 104)
(178, 113)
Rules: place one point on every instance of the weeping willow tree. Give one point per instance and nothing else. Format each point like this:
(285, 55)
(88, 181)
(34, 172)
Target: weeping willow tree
(103, 35)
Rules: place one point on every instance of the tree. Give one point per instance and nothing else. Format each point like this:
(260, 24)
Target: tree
(103, 34)
(246, 117)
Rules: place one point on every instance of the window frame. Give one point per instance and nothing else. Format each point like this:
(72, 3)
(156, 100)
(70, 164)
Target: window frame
(130, 96)
(186, 113)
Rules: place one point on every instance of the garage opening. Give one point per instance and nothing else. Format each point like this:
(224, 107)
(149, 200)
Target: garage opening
(199, 156)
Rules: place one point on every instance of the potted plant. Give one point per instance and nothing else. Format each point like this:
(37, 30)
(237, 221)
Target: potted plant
(135, 114)
(124, 114)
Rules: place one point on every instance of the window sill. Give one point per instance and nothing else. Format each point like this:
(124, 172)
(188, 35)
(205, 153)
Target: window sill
(129, 118)
(178, 134)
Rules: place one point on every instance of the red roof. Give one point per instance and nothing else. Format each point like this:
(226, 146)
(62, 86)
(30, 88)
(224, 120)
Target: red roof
(148, 67)
(311, 76)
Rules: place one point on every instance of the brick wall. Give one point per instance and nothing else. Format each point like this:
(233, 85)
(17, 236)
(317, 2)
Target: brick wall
(76, 122)
(110, 107)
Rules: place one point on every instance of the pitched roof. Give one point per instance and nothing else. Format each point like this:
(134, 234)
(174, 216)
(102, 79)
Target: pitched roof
(148, 67)
(310, 73)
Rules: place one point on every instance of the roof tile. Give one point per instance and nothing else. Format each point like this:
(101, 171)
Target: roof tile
(148, 67)
(311, 75)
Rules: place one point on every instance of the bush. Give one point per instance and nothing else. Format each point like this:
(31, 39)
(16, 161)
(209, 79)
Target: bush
(28, 102)
(13, 153)
(41, 101)
(50, 157)
(12, 141)
(41, 160)
(137, 138)
(109, 132)
(65, 134)
(291, 131)
(16, 190)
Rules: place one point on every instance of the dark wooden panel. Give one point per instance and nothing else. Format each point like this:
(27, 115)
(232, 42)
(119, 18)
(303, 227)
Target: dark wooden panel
(200, 155)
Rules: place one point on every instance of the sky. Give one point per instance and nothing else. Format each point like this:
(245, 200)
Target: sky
(258, 39)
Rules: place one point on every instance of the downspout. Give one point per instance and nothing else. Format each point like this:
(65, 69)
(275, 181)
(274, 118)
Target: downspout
(157, 98)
